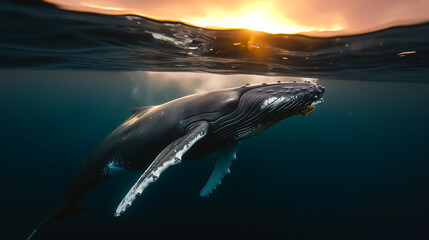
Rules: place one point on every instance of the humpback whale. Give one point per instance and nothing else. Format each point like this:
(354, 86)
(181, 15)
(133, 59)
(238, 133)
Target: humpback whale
(157, 137)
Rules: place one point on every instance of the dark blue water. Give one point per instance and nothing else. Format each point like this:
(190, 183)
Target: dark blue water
(356, 168)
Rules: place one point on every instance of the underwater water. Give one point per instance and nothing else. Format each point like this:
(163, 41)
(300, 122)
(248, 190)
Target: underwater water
(355, 168)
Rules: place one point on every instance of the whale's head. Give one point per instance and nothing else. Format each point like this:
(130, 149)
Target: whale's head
(260, 106)
(281, 98)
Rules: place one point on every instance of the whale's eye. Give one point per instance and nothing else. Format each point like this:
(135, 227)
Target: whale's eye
(232, 105)
(229, 101)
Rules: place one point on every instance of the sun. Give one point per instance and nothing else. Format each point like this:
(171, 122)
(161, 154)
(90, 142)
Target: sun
(258, 16)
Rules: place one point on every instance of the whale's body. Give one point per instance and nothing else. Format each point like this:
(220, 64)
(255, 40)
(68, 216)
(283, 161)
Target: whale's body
(156, 137)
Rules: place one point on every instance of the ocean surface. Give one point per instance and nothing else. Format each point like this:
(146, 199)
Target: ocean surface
(355, 168)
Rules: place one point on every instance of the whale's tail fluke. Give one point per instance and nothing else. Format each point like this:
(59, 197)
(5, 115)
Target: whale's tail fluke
(63, 212)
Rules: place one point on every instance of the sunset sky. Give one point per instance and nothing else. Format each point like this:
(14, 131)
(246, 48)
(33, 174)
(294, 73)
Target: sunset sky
(329, 16)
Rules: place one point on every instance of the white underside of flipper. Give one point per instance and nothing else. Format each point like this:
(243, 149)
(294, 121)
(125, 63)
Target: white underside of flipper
(171, 155)
(223, 163)
(147, 178)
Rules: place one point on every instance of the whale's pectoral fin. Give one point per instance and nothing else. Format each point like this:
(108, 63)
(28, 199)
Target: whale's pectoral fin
(223, 163)
(171, 155)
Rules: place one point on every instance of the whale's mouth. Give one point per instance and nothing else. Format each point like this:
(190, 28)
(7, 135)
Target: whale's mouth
(318, 101)
(305, 110)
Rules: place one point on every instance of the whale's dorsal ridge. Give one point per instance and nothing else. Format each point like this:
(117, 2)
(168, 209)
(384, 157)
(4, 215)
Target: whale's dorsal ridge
(140, 109)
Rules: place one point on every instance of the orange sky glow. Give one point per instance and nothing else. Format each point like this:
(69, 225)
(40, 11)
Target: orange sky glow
(314, 17)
